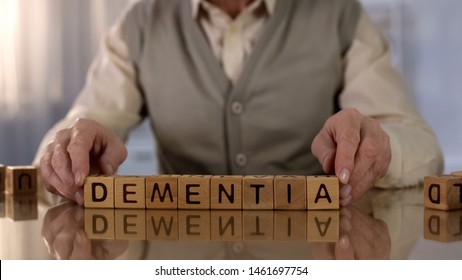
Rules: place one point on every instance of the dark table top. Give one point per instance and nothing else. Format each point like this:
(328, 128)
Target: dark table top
(384, 224)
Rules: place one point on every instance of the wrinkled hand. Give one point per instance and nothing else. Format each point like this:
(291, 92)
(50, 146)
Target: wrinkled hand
(361, 237)
(356, 149)
(85, 148)
(64, 234)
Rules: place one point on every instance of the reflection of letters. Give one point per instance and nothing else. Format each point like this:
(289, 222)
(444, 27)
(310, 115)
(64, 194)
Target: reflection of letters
(222, 229)
(434, 225)
(162, 196)
(257, 227)
(126, 224)
(103, 222)
(190, 225)
(93, 192)
(25, 177)
(168, 230)
(322, 226)
(437, 191)
(326, 194)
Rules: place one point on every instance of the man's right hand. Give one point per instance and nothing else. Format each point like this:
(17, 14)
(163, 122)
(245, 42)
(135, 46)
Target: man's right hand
(85, 148)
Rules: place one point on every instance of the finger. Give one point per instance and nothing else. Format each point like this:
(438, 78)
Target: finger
(82, 247)
(113, 155)
(54, 183)
(324, 148)
(61, 164)
(344, 249)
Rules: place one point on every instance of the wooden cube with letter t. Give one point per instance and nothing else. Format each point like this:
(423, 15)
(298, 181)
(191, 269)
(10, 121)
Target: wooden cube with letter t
(258, 192)
(99, 192)
(21, 179)
(443, 192)
(322, 192)
(194, 192)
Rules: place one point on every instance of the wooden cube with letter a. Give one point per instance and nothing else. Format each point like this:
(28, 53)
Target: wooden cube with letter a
(21, 179)
(194, 192)
(443, 192)
(130, 192)
(322, 192)
(2, 177)
(258, 192)
(226, 192)
(99, 192)
(162, 192)
(289, 192)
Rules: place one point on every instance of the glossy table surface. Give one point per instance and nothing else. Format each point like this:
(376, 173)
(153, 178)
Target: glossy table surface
(384, 224)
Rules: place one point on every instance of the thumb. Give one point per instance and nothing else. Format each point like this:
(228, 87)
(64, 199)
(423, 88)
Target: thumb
(324, 149)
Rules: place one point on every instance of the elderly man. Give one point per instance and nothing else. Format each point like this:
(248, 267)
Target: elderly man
(246, 87)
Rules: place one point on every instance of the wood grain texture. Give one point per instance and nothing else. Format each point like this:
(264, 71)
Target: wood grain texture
(226, 225)
(98, 192)
(194, 191)
(323, 225)
(289, 192)
(443, 226)
(130, 224)
(22, 207)
(21, 179)
(443, 192)
(162, 192)
(322, 192)
(162, 224)
(258, 192)
(226, 192)
(194, 224)
(99, 223)
(130, 192)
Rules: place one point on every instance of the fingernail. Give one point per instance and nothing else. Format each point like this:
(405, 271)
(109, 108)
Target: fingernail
(344, 176)
(344, 242)
(345, 191)
(78, 176)
(345, 201)
(79, 197)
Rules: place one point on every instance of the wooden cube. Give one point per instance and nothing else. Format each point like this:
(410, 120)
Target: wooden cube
(194, 192)
(226, 192)
(258, 192)
(194, 224)
(322, 192)
(2, 205)
(289, 192)
(99, 223)
(22, 207)
(443, 226)
(2, 178)
(21, 179)
(443, 192)
(130, 224)
(323, 225)
(161, 224)
(457, 173)
(129, 192)
(290, 225)
(99, 192)
(226, 225)
(258, 225)
(162, 192)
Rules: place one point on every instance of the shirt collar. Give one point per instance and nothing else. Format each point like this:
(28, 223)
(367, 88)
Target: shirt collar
(270, 6)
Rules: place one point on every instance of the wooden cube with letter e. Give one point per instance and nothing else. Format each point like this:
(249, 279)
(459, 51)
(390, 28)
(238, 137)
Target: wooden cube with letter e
(443, 192)
(99, 192)
(130, 192)
(21, 179)
(322, 192)
(194, 192)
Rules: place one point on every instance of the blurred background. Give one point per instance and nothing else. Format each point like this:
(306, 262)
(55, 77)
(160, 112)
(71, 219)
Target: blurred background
(46, 47)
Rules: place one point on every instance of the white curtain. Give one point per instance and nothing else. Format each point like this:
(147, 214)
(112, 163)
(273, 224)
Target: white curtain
(46, 47)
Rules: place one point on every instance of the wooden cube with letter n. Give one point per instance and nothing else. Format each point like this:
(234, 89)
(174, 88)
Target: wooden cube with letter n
(2, 177)
(21, 179)
(99, 192)
(322, 192)
(130, 192)
(162, 192)
(194, 192)
(443, 192)
(226, 192)
(258, 192)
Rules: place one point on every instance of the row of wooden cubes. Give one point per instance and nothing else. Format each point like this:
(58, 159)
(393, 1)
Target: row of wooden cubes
(283, 192)
(443, 192)
(18, 179)
(216, 225)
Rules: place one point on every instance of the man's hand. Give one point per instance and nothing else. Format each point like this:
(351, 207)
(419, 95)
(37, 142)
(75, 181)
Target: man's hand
(356, 149)
(85, 148)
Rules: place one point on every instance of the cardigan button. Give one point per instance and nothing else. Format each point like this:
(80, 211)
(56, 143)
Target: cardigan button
(237, 107)
(241, 159)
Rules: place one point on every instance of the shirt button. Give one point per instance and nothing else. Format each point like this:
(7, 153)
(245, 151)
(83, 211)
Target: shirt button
(241, 159)
(237, 107)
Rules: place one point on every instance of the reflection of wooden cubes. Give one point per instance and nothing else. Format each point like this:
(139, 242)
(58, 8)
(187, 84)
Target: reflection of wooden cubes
(129, 192)
(21, 179)
(258, 192)
(323, 226)
(2, 205)
(98, 192)
(444, 226)
(226, 225)
(162, 224)
(99, 223)
(162, 192)
(290, 192)
(322, 192)
(194, 224)
(22, 207)
(226, 192)
(130, 224)
(258, 225)
(2, 177)
(194, 192)
(290, 225)
(443, 192)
